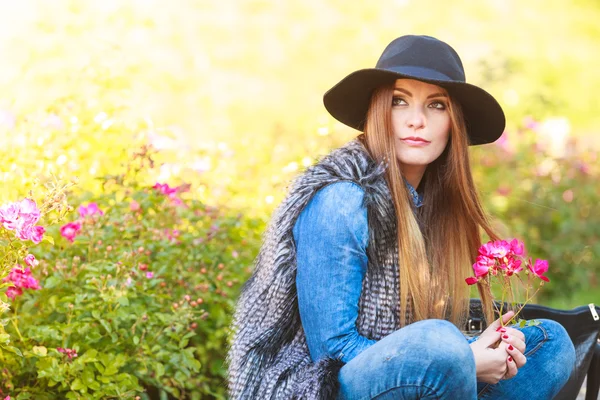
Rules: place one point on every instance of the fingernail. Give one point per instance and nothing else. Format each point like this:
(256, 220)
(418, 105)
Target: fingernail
(509, 359)
(510, 347)
(505, 336)
(499, 329)
(502, 330)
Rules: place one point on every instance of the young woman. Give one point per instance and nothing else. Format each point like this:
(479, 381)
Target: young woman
(359, 288)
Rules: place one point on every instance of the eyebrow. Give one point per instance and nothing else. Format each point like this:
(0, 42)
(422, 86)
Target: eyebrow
(439, 94)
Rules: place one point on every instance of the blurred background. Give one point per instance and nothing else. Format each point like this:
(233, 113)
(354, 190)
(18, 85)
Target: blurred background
(230, 95)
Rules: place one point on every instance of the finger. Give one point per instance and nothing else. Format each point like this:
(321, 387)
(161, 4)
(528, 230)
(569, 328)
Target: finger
(518, 357)
(486, 339)
(515, 341)
(512, 369)
(515, 332)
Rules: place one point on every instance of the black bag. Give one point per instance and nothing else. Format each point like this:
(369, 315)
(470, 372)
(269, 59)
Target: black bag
(583, 327)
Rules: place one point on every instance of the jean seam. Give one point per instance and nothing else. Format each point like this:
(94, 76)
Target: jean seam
(545, 333)
(401, 386)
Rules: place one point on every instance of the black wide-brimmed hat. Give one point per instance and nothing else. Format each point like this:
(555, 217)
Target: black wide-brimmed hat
(426, 59)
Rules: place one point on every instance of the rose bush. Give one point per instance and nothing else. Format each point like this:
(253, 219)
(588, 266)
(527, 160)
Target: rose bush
(134, 298)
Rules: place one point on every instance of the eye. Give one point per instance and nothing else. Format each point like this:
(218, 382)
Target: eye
(439, 105)
(396, 101)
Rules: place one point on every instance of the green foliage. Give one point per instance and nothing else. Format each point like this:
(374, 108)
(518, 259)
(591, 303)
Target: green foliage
(132, 331)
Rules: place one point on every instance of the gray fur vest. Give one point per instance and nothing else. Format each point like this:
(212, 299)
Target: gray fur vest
(268, 357)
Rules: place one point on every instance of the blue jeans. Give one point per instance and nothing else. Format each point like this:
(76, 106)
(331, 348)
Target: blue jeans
(432, 359)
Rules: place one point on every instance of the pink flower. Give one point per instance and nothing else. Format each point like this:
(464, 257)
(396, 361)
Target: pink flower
(31, 261)
(164, 188)
(9, 215)
(172, 235)
(7, 398)
(513, 266)
(91, 209)
(149, 275)
(134, 206)
(498, 249)
(517, 247)
(471, 280)
(539, 269)
(171, 192)
(69, 352)
(483, 266)
(21, 217)
(21, 280)
(37, 233)
(33, 233)
(70, 230)
(13, 292)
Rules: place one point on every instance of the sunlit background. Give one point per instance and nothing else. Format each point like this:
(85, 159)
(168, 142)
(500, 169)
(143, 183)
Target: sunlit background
(231, 92)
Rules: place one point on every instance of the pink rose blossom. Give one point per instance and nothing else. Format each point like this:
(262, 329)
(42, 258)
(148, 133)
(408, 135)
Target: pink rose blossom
(9, 215)
(497, 249)
(21, 280)
(134, 206)
(21, 217)
(70, 230)
(517, 247)
(34, 233)
(7, 398)
(483, 266)
(31, 261)
(13, 292)
(513, 267)
(91, 209)
(69, 352)
(539, 269)
(149, 275)
(471, 280)
(164, 188)
(171, 192)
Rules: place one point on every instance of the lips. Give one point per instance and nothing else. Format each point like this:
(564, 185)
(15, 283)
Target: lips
(415, 141)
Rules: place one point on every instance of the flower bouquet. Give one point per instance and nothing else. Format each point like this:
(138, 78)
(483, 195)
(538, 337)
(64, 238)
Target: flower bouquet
(503, 262)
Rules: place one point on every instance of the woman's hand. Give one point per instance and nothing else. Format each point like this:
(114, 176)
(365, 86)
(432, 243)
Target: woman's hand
(494, 364)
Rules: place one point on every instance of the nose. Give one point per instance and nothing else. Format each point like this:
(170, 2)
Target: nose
(416, 118)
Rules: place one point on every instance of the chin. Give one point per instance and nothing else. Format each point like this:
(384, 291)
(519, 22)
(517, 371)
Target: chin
(414, 163)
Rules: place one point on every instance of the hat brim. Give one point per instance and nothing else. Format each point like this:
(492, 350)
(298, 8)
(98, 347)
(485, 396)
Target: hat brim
(348, 102)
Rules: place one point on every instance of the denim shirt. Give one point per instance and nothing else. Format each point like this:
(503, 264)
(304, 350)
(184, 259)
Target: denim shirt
(331, 235)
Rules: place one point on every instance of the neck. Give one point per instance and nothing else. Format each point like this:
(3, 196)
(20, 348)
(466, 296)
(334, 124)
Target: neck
(413, 173)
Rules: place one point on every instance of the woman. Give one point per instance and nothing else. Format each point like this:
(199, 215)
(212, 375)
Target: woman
(358, 290)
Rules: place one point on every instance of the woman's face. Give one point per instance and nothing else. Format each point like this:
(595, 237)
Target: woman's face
(421, 123)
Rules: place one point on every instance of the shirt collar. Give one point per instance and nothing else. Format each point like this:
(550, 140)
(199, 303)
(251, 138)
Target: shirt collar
(416, 196)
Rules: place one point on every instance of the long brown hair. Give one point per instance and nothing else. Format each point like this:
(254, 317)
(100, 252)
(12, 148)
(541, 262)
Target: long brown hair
(438, 243)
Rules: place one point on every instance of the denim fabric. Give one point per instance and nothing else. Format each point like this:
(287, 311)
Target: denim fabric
(331, 236)
(432, 360)
(427, 359)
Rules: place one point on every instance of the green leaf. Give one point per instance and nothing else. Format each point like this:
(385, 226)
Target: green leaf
(105, 325)
(87, 376)
(88, 356)
(110, 370)
(49, 239)
(51, 282)
(13, 349)
(136, 340)
(159, 370)
(123, 300)
(77, 385)
(40, 351)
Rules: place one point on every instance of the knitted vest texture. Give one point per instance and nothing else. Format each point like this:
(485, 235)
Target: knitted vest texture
(268, 357)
